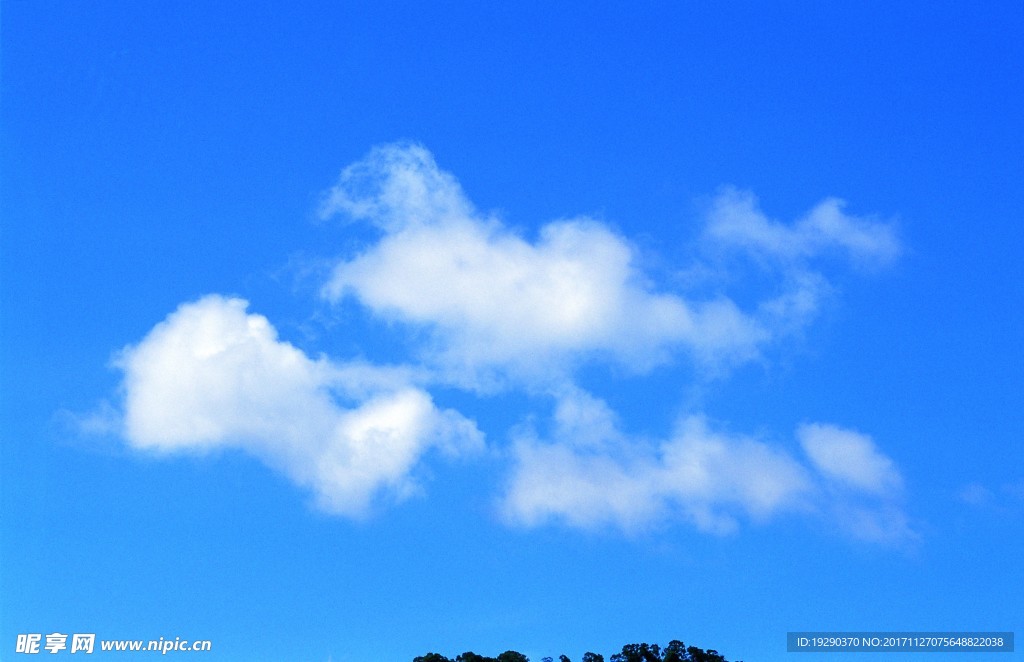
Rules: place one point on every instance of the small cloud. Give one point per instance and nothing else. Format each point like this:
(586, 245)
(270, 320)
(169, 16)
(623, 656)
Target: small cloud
(884, 523)
(976, 494)
(849, 458)
(395, 187)
(1007, 497)
(736, 220)
(104, 420)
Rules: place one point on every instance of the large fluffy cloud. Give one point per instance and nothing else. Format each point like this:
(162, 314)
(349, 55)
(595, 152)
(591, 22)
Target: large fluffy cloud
(498, 302)
(214, 376)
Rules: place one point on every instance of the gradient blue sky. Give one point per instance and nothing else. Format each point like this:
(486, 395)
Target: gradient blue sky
(557, 335)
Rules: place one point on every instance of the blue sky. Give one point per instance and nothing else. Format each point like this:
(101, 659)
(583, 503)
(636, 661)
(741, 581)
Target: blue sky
(350, 333)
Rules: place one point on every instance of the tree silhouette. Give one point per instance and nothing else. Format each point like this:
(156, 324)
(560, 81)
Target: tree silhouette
(675, 651)
(431, 657)
(638, 653)
(470, 656)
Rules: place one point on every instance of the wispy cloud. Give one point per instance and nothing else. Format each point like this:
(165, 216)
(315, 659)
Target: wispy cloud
(736, 220)
(213, 376)
(1007, 497)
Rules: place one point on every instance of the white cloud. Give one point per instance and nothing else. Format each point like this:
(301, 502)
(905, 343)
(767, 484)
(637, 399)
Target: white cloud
(789, 256)
(214, 376)
(709, 479)
(499, 304)
(735, 219)
(552, 481)
(849, 458)
(589, 474)
(976, 494)
(882, 522)
(1008, 497)
(498, 300)
(710, 470)
(395, 187)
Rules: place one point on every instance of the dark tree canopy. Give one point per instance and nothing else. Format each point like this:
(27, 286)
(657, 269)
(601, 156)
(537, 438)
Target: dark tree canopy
(470, 656)
(675, 651)
(431, 657)
(638, 653)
